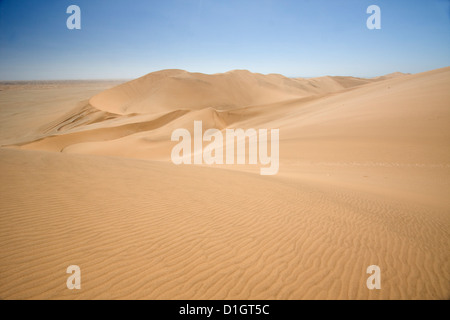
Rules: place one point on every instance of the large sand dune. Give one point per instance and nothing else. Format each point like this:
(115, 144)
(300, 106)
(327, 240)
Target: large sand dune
(364, 180)
(178, 89)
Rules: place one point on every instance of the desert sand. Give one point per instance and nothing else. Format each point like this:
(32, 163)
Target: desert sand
(364, 179)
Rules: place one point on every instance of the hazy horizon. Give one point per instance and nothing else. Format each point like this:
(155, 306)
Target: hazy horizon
(294, 38)
(189, 71)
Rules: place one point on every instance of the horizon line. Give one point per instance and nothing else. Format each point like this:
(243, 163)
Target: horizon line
(196, 72)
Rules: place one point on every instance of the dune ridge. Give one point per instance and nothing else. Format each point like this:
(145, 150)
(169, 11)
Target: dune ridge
(168, 89)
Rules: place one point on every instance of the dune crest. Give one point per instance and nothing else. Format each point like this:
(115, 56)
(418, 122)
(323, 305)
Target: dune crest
(178, 89)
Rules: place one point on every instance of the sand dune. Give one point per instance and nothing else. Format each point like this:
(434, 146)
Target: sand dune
(378, 117)
(177, 89)
(364, 179)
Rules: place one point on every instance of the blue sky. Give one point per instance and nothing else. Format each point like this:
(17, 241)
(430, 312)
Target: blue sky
(130, 38)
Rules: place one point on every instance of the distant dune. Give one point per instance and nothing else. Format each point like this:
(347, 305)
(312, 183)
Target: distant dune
(363, 180)
(177, 89)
